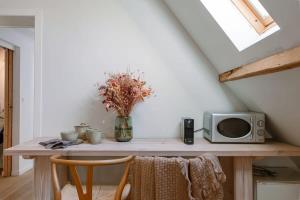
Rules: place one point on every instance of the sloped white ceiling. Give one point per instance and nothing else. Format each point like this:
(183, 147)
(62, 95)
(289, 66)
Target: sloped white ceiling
(278, 94)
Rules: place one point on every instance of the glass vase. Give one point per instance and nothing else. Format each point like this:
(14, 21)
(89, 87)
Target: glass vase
(123, 129)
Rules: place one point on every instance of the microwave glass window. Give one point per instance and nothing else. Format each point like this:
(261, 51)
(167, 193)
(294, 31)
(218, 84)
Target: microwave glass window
(234, 127)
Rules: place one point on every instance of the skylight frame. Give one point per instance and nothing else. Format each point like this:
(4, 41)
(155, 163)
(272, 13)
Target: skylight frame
(258, 22)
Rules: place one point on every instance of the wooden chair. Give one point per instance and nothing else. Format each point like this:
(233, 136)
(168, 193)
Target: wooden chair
(89, 164)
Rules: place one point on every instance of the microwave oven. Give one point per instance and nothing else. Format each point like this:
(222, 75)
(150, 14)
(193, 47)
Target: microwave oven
(242, 127)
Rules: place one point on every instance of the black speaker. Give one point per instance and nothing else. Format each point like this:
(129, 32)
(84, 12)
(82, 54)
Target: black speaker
(187, 130)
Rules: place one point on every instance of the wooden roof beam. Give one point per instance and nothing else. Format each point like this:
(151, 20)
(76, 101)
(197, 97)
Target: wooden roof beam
(278, 62)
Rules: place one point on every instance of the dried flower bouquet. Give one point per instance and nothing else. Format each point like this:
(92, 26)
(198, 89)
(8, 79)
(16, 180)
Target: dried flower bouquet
(122, 91)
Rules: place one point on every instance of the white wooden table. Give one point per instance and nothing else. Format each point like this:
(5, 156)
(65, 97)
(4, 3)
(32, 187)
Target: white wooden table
(243, 156)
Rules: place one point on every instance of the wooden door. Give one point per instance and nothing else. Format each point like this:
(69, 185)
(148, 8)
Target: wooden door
(7, 142)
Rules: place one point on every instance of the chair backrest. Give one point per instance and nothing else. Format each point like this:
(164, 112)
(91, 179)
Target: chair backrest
(89, 164)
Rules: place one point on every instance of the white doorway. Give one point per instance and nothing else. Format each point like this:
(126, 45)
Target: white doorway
(18, 32)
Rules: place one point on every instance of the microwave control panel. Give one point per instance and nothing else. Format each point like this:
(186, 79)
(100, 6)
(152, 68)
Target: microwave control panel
(260, 128)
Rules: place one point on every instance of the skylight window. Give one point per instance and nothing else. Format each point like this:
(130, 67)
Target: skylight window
(259, 9)
(256, 14)
(245, 22)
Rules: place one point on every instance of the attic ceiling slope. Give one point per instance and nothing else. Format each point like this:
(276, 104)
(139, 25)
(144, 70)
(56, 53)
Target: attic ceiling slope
(277, 94)
(218, 47)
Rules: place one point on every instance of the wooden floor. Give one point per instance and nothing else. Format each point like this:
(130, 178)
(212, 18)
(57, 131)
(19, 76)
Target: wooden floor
(17, 187)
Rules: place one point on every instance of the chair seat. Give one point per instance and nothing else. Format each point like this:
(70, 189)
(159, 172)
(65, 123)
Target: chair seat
(100, 192)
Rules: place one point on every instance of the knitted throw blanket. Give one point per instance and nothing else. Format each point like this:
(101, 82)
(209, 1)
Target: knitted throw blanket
(159, 178)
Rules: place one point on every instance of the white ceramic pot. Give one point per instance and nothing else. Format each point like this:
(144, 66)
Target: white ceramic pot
(69, 135)
(94, 136)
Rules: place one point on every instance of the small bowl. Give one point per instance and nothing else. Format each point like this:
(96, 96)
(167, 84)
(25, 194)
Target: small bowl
(69, 136)
(94, 136)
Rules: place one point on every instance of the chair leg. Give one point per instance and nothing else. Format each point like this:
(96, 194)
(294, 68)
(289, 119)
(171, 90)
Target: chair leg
(55, 183)
(123, 182)
(89, 183)
(77, 181)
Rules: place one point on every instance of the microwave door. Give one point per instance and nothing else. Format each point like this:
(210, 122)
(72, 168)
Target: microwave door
(235, 127)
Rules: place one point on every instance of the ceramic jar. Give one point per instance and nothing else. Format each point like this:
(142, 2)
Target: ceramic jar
(81, 130)
(94, 136)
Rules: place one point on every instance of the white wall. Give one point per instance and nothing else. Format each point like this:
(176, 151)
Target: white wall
(23, 40)
(83, 40)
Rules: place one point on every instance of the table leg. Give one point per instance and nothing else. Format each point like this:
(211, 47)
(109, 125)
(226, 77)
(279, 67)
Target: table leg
(243, 178)
(42, 178)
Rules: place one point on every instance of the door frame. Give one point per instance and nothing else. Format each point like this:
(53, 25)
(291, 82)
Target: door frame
(38, 67)
(8, 110)
(37, 79)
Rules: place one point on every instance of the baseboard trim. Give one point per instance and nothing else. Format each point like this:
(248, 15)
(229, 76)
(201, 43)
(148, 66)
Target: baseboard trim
(21, 171)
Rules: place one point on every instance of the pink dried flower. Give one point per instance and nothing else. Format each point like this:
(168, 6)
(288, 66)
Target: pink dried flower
(122, 91)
